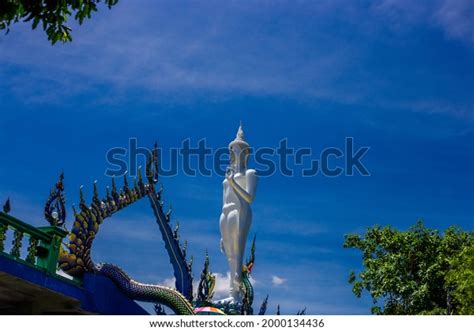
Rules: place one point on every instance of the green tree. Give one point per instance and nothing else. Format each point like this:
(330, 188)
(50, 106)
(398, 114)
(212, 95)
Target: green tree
(461, 280)
(52, 14)
(418, 271)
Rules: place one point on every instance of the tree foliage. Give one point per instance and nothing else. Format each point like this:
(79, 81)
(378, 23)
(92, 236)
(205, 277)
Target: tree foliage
(51, 14)
(418, 271)
(460, 278)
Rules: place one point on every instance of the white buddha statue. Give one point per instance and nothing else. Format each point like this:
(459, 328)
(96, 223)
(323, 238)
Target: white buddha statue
(240, 186)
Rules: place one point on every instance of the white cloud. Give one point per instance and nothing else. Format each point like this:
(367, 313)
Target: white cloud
(169, 282)
(454, 18)
(222, 288)
(171, 55)
(277, 281)
(174, 57)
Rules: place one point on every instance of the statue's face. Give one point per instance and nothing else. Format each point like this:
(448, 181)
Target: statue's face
(239, 155)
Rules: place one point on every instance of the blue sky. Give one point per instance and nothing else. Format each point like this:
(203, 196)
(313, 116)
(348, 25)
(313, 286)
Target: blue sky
(397, 76)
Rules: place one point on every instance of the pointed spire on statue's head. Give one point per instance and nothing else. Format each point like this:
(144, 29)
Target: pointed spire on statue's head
(239, 138)
(240, 132)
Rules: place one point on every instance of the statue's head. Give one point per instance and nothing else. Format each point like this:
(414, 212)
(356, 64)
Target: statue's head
(239, 150)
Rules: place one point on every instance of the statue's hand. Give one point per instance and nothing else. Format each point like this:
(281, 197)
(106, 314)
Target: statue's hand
(229, 173)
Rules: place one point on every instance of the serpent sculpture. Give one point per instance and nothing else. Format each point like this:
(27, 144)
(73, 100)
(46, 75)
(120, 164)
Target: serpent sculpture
(246, 270)
(55, 206)
(146, 292)
(206, 284)
(76, 260)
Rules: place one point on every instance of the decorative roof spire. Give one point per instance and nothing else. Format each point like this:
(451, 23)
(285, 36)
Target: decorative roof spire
(263, 307)
(6, 206)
